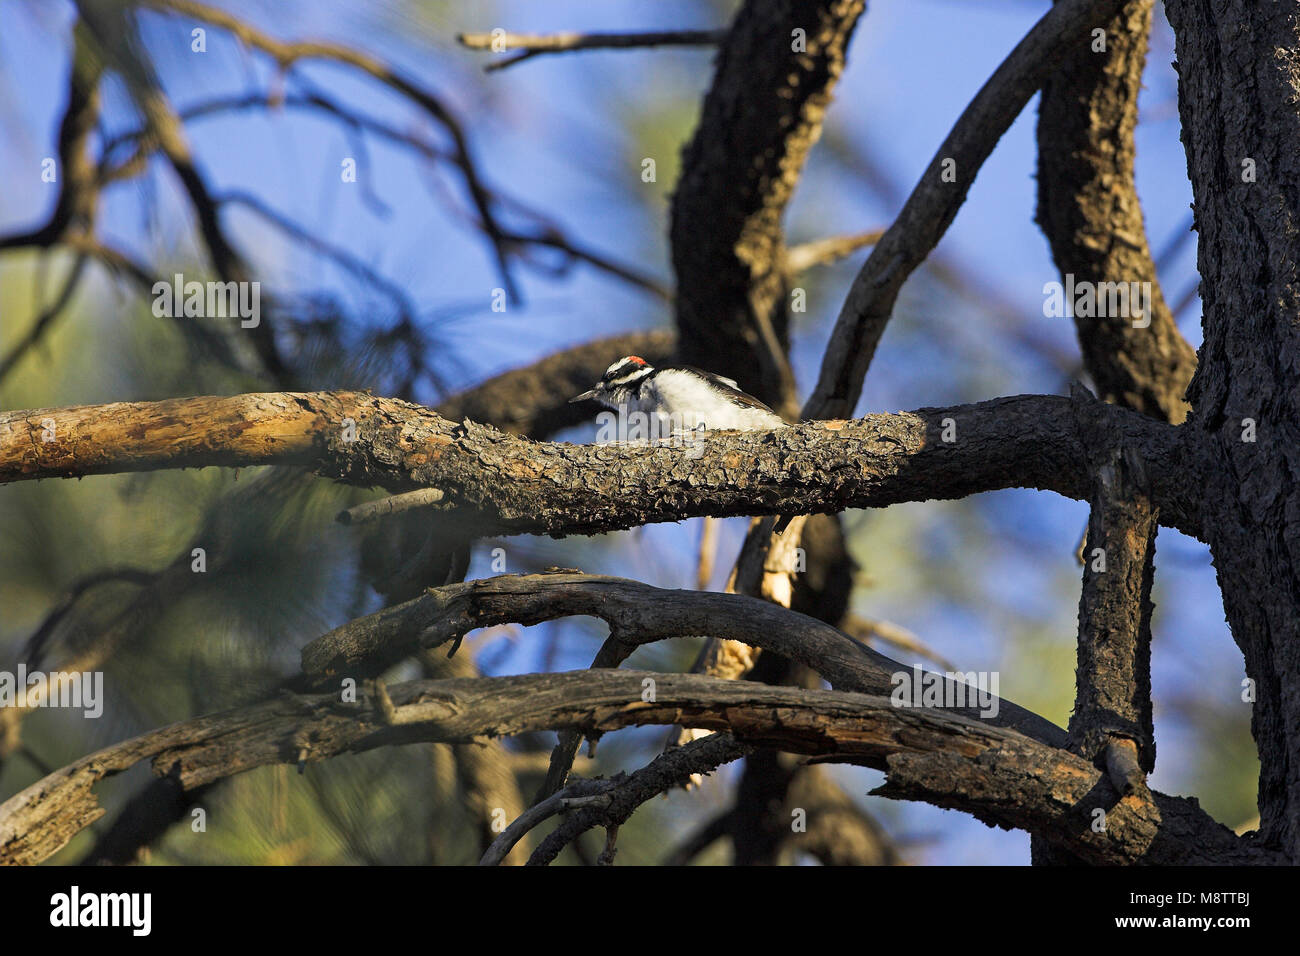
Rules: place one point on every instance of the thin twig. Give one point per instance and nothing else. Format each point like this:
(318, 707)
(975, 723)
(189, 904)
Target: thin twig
(287, 54)
(537, 44)
(530, 819)
(620, 801)
(374, 510)
(821, 252)
(900, 637)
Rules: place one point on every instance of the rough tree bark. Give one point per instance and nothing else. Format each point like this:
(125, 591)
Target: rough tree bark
(1003, 777)
(1238, 88)
(499, 483)
(1089, 210)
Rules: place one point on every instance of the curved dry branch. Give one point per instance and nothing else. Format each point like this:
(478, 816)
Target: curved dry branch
(636, 614)
(496, 483)
(1001, 776)
(934, 203)
(1089, 210)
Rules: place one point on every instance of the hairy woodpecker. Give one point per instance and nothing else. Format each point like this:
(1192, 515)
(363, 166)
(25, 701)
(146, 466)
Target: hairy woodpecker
(680, 397)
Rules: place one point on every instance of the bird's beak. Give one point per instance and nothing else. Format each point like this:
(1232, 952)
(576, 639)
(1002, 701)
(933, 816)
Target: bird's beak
(589, 393)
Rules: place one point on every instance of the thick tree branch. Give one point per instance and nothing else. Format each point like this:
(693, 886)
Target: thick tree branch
(502, 484)
(1237, 91)
(1025, 783)
(938, 196)
(1113, 696)
(1112, 720)
(1089, 210)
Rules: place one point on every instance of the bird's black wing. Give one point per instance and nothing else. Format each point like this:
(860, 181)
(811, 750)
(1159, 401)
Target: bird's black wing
(725, 385)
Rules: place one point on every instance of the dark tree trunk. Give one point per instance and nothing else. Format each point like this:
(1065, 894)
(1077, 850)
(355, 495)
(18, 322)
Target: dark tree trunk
(1238, 90)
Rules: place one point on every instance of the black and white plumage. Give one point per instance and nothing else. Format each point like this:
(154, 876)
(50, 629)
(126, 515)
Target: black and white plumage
(680, 397)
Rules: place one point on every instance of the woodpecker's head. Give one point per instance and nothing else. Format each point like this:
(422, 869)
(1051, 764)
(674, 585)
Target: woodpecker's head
(619, 383)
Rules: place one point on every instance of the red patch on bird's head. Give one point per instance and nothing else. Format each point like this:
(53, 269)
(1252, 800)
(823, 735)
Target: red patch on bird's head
(637, 359)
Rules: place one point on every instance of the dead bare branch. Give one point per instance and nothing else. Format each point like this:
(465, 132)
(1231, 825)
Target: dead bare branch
(1003, 777)
(501, 484)
(636, 613)
(821, 252)
(530, 45)
(620, 798)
